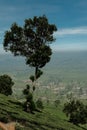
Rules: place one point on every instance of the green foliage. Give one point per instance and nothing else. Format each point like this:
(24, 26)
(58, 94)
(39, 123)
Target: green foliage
(32, 41)
(39, 73)
(4, 118)
(57, 102)
(32, 78)
(76, 111)
(39, 103)
(6, 84)
(26, 90)
(29, 105)
(50, 119)
(34, 88)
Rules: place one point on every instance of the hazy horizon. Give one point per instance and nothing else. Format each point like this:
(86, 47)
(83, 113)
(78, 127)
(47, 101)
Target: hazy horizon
(55, 48)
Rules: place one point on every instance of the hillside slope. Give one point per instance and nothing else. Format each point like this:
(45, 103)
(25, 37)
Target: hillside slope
(50, 119)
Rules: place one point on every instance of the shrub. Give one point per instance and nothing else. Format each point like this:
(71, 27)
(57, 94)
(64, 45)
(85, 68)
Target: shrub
(76, 111)
(6, 84)
(39, 104)
(29, 105)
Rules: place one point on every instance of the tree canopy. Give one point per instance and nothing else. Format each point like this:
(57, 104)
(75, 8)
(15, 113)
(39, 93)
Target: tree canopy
(76, 111)
(32, 41)
(6, 84)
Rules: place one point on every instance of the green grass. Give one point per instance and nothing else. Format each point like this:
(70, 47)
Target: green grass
(63, 68)
(51, 118)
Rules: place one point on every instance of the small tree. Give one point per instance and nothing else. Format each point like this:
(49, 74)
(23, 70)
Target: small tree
(26, 91)
(76, 111)
(29, 105)
(32, 41)
(6, 84)
(39, 104)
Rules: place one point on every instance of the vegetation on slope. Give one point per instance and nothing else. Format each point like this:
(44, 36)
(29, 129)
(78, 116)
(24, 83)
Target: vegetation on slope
(51, 118)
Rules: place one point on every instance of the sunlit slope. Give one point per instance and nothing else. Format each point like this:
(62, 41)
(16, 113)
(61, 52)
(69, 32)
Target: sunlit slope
(51, 118)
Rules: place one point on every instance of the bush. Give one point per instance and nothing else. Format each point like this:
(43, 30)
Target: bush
(39, 104)
(76, 111)
(29, 105)
(6, 84)
(26, 90)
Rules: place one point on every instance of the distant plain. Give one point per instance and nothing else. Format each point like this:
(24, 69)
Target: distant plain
(67, 68)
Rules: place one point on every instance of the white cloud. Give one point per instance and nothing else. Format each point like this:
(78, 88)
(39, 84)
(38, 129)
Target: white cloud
(70, 47)
(71, 31)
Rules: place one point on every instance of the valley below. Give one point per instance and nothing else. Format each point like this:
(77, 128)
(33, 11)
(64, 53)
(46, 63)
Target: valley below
(64, 76)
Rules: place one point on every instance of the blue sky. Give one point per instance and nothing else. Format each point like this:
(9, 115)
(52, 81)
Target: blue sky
(70, 17)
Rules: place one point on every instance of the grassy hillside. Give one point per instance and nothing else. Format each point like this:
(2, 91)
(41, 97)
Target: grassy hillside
(51, 118)
(65, 73)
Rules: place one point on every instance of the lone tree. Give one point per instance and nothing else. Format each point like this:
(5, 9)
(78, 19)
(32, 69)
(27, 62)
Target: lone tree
(32, 41)
(6, 84)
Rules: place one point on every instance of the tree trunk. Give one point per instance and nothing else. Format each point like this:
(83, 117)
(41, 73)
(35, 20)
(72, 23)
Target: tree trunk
(36, 70)
(35, 78)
